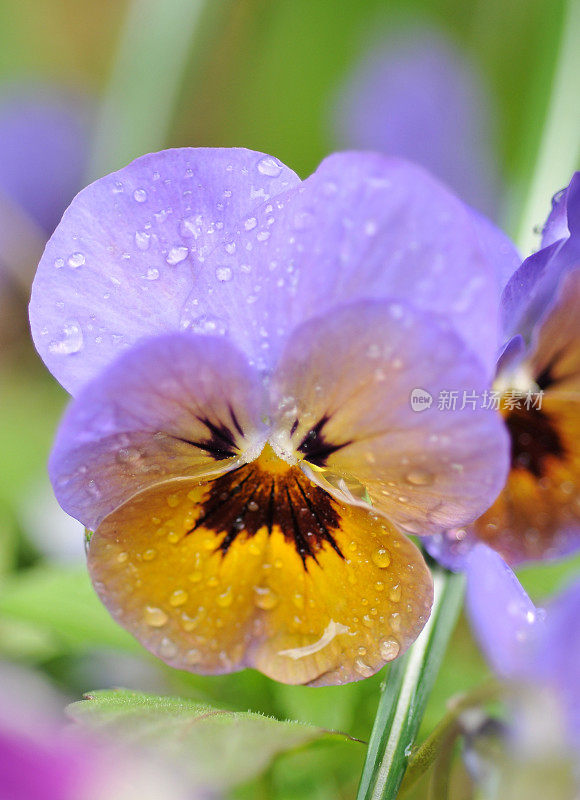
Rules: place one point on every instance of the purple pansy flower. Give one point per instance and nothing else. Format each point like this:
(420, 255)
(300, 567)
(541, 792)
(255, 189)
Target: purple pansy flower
(243, 347)
(415, 95)
(525, 645)
(537, 390)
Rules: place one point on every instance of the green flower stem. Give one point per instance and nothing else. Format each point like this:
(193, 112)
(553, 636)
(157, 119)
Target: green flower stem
(405, 692)
(140, 98)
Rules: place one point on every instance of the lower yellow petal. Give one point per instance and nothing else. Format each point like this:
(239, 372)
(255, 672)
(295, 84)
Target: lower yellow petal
(261, 568)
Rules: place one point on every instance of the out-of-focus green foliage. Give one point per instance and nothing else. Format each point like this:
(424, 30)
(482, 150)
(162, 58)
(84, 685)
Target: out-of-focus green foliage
(198, 737)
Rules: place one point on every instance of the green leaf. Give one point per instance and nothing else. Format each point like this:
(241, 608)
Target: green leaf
(61, 601)
(218, 748)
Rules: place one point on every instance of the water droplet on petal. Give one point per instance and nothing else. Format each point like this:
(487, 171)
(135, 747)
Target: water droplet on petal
(250, 223)
(265, 598)
(142, 240)
(155, 617)
(362, 668)
(395, 593)
(149, 555)
(389, 649)
(223, 274)
(76, 260)
(71, 341)
(128, 455)
(381, 558)
(140, 195)
(176, 255)
(178, 598)
(270, 167)
(420, 477)
(168, 649)
(225, 599)
(152, 274)
(192, 657)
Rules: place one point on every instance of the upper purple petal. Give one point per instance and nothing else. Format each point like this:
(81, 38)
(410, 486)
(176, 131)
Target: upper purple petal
(503, 617)
(362, 226)
(44, 138)
(127, 259)
(417, 96)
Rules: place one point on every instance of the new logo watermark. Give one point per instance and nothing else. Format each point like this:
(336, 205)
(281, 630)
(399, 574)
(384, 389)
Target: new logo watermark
(421, 399)
(454, 400)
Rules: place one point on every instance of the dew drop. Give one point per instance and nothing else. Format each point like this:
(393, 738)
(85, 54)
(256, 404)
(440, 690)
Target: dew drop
(59, 263)
(76, 260)
(270, 167)
(253, 506)
(250, 223)
(192, 657)
(419, 477)
(149, 555)
(362, 668)
(395, 593)
(140, 195)
(155, 617)
(381, 558)
(172, 500)
(225, 599)
(176, 255)
(72, 340)
(152, 274)
(142, 240)
(128, 455)
(223, 274)
(178, 598)
(389, 649)
(168, 649)
(265, 598)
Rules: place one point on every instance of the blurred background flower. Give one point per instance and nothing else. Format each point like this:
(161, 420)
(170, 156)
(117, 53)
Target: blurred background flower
(44, 145)
(416, 95)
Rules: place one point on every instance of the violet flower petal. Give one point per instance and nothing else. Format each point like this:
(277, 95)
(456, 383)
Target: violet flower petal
(174, 406)
(342, 396)
(362, 226)
(126, 259)
(502, 616)
(556, 654)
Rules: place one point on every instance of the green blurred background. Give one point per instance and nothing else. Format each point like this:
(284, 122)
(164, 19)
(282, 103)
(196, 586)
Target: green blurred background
(260, 74)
